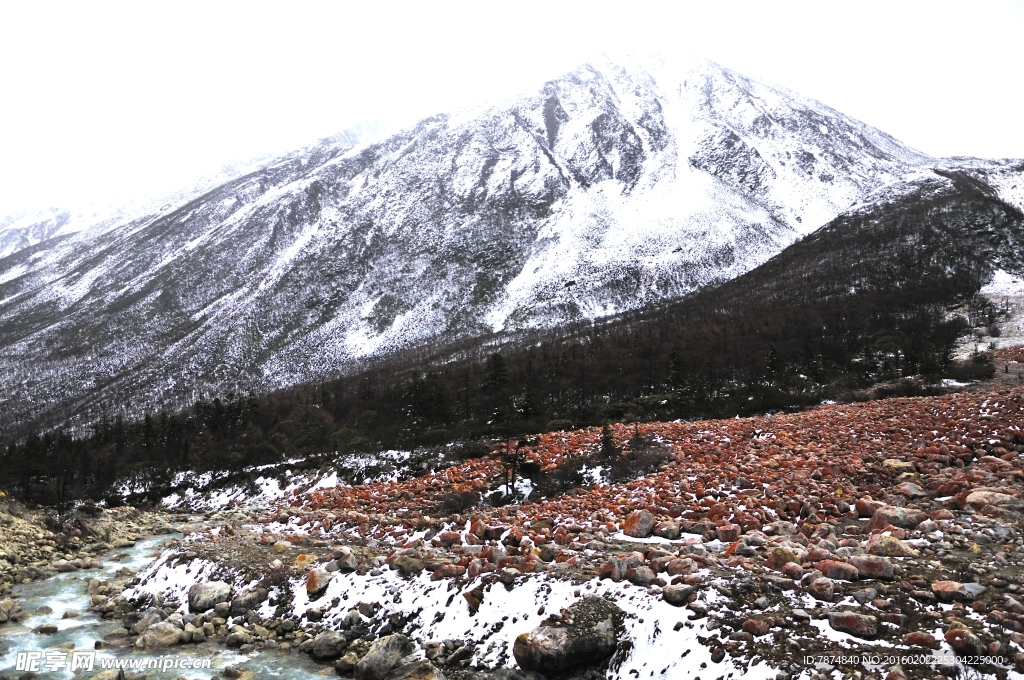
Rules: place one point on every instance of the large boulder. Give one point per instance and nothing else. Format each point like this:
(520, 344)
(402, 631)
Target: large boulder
(329, 644)
(93, 522)
(317, 581)
(589, 638)
(638, 524)
(206, 596)
(384, 655)
(159, 636)
(248, 600)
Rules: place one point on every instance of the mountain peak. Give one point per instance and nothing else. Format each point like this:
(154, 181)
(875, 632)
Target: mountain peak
(620, 184)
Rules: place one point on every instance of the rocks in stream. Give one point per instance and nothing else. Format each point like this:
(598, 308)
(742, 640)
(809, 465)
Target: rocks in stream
(158, 636)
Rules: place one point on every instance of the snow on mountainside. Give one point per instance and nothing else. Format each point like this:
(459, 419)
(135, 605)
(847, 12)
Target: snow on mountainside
(611, 187)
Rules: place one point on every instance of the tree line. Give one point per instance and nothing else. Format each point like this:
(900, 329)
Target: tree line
(870, 298)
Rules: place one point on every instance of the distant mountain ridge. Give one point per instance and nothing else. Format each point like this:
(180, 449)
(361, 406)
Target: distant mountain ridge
(615, 186)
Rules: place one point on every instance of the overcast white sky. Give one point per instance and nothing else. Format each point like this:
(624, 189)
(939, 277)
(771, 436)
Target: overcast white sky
(103, 102)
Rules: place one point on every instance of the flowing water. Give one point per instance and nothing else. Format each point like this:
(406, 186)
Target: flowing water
(68, 591)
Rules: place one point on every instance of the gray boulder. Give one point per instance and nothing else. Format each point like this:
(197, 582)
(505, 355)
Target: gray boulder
(94, 524)
(329, 644)
(248, 600)
(205, 596)
(588, 639)
(158, 636)
(384, 655)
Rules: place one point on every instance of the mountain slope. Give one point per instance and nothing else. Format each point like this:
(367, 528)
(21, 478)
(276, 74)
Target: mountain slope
(610, 188)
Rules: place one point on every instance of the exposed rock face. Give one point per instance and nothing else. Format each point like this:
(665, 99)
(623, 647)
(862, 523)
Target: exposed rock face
(384, 655)
(205, 596)
(589, 639)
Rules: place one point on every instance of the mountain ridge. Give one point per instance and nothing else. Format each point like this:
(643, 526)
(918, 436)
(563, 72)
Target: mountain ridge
(603, 191)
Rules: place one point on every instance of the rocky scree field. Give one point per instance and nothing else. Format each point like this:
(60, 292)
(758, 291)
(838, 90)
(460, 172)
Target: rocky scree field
(775, 546)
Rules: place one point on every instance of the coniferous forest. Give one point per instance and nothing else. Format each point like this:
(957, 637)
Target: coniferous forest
(872, 298)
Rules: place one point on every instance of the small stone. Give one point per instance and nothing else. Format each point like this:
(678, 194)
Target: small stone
(668, 529)
(865, 596)
(329, 644)
(756, 627)
(910, 490)
(677, 595)
(384, 655)
(905, 518)
(680, 566)
(962, 640)
(729, 533)
(346, 663)
(641, 576)
(873, 566)
(159, 636)
(947, 591)
(821, 589)
(780, 556)
(448, 571)
(304, 561)
(205, 596)
(889, 546)
(838, 570)
(921, 639)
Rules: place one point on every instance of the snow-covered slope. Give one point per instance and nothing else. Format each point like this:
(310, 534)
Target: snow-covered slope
(614, 186)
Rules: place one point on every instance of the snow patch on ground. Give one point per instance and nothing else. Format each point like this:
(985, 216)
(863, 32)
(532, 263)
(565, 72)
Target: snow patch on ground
(439, 612)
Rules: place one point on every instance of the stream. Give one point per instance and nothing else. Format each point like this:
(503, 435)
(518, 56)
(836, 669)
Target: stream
(66, 591)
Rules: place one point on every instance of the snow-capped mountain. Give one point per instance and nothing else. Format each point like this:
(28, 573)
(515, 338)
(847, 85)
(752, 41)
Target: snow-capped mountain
(614, 186)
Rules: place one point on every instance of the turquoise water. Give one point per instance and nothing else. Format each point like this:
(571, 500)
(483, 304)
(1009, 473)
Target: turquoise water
(68, 591)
